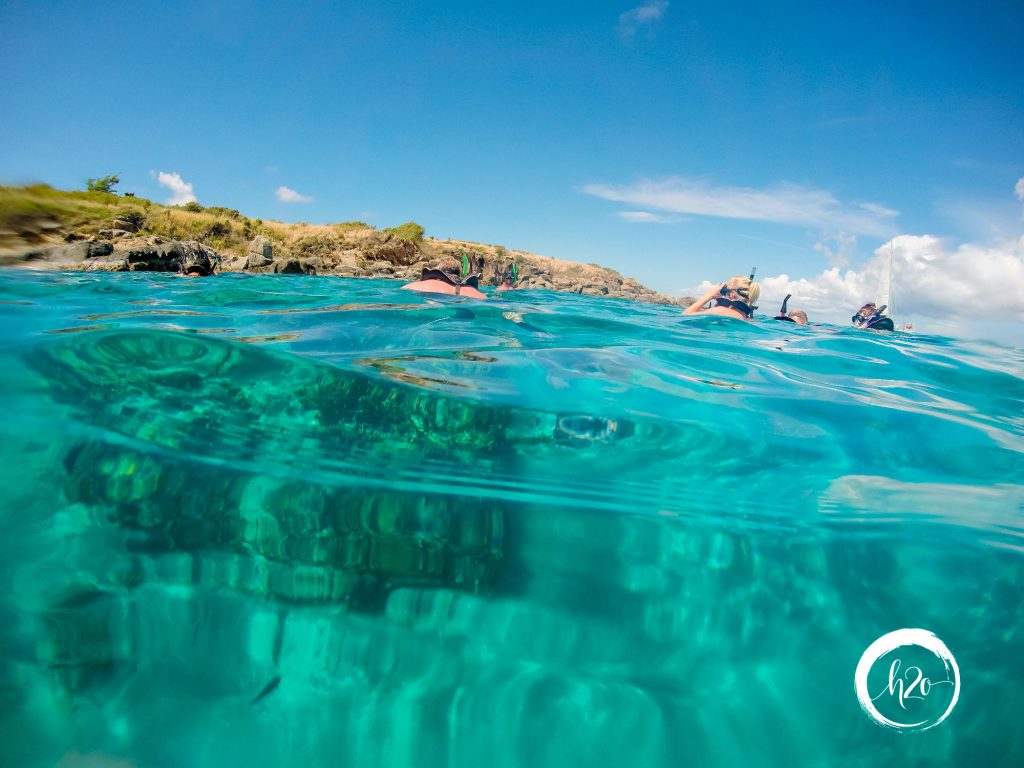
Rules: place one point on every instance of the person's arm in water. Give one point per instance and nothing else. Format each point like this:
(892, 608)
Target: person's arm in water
(698, 305)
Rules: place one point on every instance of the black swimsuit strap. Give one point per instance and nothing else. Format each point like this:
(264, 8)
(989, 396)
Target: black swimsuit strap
(436, 274)
(739, 306)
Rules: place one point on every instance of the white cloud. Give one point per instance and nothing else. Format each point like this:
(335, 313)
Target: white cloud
(1019, 188)
(286, 195)
(837, 249)
(785, 203)
(634, 18)
(940, 289)
(181, 190)
(645, 217)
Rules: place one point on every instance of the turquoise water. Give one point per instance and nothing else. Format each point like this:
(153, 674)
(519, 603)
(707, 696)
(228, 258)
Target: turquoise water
(270, 521)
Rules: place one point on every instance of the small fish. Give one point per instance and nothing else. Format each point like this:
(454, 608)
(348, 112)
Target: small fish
(268, 689)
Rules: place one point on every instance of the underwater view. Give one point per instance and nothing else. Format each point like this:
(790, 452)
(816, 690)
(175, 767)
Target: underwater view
(308, 521)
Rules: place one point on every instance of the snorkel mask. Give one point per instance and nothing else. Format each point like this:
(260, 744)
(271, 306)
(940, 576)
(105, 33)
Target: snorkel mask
(511, 274)
(866, 321)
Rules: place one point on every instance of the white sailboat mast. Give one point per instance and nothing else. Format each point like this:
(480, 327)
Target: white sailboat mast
(884, 296)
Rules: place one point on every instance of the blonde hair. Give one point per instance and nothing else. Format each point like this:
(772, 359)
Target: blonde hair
(746, 287)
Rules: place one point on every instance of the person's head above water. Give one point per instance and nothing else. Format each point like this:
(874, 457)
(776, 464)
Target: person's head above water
(798, 316)
(450, 276)
(197, 265)
(509, 277)
(746, 288)
(737, 297)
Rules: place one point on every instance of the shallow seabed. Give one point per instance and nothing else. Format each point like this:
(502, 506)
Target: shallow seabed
(271, 521)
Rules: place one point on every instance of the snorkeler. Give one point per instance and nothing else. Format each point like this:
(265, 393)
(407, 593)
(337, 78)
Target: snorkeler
(450, 277)
(797, 316)
(735, 298)
(509, 278)
(197, 265)
(870, 317)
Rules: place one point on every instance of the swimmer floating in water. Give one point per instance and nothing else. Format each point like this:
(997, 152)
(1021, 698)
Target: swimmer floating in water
(450, 278)
(197, 265)
(797, 316)
(870, 316)
(509, 278)
(735, 298)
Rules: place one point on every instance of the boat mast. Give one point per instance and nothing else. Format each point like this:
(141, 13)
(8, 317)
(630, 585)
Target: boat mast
(890, 279)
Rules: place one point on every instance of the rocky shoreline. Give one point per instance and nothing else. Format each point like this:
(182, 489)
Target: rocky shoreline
(356, 251)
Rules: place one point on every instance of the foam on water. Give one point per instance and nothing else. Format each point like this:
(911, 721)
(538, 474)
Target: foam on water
(312, 521)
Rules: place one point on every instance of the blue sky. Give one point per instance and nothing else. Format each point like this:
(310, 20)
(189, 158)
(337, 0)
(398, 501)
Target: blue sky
(676, 142)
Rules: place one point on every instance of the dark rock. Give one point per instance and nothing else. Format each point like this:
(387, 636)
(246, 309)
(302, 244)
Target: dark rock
(254, 261)
(261, 249)
(125, 225)
(96, 248)
(293, 267)
(148, 256)
(378, 268)
(76, 252)
(261, 254)
(391, 249)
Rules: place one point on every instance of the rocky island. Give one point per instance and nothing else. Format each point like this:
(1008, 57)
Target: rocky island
(43, 227)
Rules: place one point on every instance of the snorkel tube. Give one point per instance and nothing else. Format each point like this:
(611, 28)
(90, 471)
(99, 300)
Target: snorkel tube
(782, 310)
(464, 271)
(464, 277)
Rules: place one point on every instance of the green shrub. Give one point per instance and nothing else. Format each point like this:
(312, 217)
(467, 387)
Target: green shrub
(134, 215)
(219, 210)
(105, 184)
(216, 229)
(192, 207)
(322, 246)
(409, 231)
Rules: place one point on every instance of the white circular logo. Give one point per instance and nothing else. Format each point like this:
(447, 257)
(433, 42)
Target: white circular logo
(915, 679)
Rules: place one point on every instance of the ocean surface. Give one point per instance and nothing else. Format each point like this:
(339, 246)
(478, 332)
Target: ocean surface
(294, 521)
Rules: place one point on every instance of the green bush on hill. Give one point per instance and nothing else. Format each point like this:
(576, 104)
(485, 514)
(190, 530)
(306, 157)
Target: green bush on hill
(322, 246)
(105, 184)
(409, 231)
(215, 230)
(220, 210)
(134, 215)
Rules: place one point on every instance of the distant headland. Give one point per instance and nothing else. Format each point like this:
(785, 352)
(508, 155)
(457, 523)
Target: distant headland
(99, 229)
